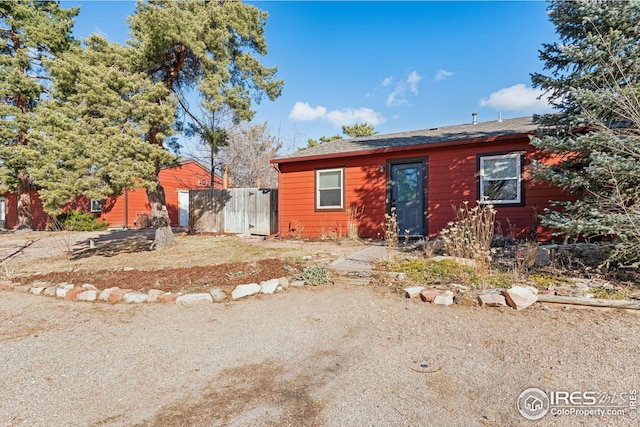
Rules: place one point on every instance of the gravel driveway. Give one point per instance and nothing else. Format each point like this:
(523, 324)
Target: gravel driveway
(340, 355)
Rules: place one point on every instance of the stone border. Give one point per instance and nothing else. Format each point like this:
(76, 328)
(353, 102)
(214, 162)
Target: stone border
(90, 293)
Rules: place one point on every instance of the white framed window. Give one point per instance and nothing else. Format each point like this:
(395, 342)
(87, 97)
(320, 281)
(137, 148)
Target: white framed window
(95, 205)
(500, 179)
(330, 188)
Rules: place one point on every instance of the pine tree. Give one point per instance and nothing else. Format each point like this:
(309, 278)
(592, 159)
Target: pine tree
(90, 131)
(30, 32)
(206, 47)
(594, 82)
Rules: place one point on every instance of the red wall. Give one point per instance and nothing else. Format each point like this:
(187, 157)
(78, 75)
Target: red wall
(451, 180)
(185, 176)
(39, 217)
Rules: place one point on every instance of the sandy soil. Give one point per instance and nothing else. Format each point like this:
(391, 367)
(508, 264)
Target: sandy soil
(335, 355)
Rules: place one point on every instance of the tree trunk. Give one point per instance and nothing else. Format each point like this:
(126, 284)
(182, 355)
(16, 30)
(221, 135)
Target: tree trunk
(24, 203)
(160, 216)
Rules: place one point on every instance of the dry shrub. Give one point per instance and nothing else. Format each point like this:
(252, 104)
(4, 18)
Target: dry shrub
(391, 229)
(354, 216)
(470, 235)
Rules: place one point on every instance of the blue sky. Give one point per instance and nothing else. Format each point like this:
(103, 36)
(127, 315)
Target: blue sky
(398, 65)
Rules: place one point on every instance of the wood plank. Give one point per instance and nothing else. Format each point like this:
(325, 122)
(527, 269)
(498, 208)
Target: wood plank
(591, 302)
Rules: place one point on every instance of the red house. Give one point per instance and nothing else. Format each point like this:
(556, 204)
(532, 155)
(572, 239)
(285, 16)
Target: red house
(131, 209)
(422, 174)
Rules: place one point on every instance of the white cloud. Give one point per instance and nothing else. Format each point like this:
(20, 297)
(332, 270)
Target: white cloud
(516, 98)
(349, 116)
(442, 74)
(398, 96)
(302, 111)
(387, 81)
(413, 79)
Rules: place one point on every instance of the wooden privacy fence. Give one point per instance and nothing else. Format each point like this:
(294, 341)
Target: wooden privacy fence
(234, 210)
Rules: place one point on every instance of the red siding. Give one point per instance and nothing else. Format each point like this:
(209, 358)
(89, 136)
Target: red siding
(126, 209)
(451, 180)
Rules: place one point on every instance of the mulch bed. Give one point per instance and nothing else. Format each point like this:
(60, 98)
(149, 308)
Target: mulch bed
(193, 279)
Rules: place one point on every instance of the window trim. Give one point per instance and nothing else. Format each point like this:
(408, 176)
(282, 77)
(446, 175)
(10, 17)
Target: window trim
(92, 209)
(519, 156)
(317, 190)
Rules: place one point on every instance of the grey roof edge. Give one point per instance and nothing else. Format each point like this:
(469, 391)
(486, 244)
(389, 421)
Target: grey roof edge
(405, 140)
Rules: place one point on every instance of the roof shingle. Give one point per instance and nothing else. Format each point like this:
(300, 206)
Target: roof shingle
(481, 130)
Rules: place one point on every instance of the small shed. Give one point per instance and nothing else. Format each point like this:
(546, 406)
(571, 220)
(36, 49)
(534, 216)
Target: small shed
(421, 175)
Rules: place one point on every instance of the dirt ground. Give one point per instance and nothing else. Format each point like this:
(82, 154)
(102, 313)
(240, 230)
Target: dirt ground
(333, 355)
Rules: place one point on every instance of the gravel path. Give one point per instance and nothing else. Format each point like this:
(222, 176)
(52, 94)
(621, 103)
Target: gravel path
(336, 356)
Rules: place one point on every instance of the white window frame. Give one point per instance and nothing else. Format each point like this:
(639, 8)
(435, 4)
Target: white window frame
(518, 177)
(341, 188)
(92, 209)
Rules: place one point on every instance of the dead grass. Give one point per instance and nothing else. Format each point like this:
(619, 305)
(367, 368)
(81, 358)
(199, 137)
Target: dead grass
(115, 251)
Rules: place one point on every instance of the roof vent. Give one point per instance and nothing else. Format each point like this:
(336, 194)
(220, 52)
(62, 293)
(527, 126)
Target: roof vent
(474, 118)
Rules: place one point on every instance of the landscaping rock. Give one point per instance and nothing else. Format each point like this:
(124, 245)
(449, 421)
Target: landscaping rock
(465, 300)
(519, 297)
(445, 299)
(117, 294)
(168, 297)
(72, 294)
(543, 256)
(104, 295)
(22, 288)
(218, 294)
(298, 283)
(50, 291)
(429, 295)
(40, 284)
(6, 285)
(413, 291)
(492, 300)
(135, 297)
(89, 295)
(36, 291)
(192, 299)
(245, 290)
(284, 282)
(153, 294)
(307, 257)
(90, 287)
(61, 292)
(269, 286)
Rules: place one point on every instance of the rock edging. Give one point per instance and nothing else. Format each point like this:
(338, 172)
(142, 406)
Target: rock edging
(90, 293)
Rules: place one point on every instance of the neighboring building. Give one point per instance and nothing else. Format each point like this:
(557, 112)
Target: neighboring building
(424, 174)
(131, 209)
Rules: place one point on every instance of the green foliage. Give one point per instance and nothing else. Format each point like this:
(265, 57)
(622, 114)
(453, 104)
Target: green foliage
(613, 294)
(209, 48)
(314, 275)
(594, 84)
(80, 221)
(431, 272)
(32, 32)
(358, 129)
(90, 140)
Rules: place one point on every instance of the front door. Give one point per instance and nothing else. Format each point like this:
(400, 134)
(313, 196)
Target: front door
(407, 196)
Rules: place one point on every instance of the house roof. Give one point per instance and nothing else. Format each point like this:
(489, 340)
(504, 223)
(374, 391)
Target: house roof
(447, 135)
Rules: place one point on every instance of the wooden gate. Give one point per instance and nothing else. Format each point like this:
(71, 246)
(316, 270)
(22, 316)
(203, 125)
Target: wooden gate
(235, 210)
